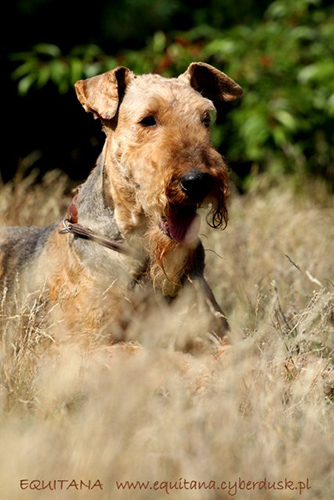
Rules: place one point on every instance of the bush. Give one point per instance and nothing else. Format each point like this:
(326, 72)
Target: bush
(284, 122)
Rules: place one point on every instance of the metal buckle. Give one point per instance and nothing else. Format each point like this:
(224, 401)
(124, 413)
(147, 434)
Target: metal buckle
(67, 228)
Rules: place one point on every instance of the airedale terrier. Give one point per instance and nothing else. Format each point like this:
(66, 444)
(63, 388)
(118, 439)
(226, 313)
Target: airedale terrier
(134, 222)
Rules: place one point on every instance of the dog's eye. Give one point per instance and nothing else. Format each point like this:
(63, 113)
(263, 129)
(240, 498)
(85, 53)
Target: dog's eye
(148, 121)
(206, 120)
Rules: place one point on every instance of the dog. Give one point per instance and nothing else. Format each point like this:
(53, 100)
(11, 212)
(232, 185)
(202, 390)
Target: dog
(133, 225)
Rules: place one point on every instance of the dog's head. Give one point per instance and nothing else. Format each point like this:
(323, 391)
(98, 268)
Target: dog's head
(160, 147)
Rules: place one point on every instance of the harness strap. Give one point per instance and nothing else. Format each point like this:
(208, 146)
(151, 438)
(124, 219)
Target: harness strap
(85, 232)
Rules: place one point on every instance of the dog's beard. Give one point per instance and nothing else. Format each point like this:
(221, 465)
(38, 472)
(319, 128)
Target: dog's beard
(218, 215)
(171, 240)
(169, 261)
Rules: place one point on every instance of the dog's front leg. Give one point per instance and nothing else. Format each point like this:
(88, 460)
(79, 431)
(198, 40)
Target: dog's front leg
(219, 326)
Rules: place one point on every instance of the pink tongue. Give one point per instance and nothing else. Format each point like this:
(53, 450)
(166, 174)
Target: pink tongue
(184, 227)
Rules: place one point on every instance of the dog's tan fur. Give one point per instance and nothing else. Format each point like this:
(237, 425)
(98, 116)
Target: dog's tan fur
(135, 185)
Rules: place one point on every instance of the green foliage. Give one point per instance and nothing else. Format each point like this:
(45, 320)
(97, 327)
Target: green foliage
(286, 66)
(45, 63)
(284, 62)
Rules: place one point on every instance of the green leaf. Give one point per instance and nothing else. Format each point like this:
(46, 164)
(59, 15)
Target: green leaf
(47, 49)
(43, 77)
(76, 68)
(222, 48)
(159, 42)
(24, 69)
(109, 63)
(58, 71)
(26, 83)
(279, 136)
(92, 69)
(322, 71)
(286, 119)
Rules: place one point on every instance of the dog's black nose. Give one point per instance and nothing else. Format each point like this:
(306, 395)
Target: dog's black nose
(196, 185)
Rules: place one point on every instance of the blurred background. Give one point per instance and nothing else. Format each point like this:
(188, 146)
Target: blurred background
(281, 52)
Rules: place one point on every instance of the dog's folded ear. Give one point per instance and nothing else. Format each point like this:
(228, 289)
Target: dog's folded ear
(102, 94)
(211, 82)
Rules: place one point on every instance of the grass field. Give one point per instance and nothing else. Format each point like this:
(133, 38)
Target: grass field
(259, 416)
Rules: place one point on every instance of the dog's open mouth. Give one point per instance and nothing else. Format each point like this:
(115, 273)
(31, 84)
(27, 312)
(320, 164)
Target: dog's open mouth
(182, 225)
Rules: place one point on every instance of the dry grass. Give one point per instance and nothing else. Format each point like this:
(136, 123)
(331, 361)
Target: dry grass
(262, 410)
